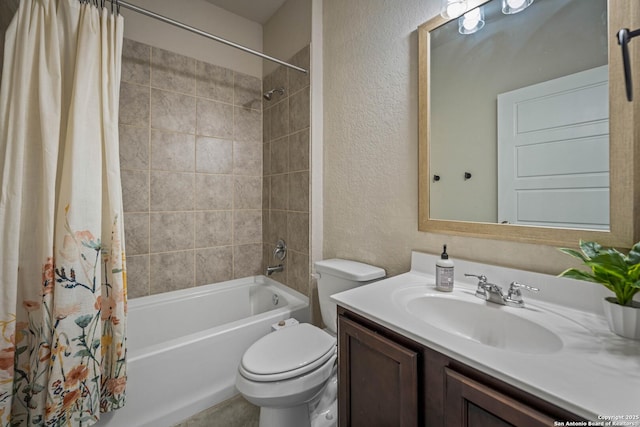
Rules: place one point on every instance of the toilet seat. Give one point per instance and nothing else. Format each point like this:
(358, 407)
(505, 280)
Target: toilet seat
(287, 353)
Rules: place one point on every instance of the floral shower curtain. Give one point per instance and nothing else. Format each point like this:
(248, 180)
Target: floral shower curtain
(62, 263)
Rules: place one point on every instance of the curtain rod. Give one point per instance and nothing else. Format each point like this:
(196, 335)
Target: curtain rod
(204, 34)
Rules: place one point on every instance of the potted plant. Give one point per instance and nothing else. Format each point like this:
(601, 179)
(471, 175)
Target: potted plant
(620, 274)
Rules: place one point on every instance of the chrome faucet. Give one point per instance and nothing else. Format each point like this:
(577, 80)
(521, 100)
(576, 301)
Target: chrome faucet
(274, 269)
(279, 253)
(493, 293)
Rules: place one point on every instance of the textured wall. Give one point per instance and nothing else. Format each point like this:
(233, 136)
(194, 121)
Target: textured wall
(191, 159)
(371, 143)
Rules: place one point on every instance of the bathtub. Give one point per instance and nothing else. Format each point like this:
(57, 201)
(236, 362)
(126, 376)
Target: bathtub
(184, 346)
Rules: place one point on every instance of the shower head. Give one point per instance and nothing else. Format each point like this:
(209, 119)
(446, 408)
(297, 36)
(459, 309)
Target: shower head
(268, 95)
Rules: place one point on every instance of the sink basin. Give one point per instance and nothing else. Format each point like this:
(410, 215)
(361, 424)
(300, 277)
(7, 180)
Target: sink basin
(486, 323)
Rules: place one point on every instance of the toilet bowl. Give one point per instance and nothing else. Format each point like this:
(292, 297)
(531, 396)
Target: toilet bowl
(291, 373)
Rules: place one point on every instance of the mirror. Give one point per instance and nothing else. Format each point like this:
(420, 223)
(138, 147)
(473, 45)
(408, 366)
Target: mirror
(522, 137)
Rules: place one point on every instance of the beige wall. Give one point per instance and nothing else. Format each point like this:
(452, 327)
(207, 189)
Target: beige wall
(287, 32)
(203, 16)
(371, 143)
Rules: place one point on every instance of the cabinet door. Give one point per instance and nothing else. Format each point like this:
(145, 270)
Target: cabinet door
(472, 404)
(378, 379)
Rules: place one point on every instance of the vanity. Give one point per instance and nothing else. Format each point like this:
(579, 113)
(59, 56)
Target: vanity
(412, 356)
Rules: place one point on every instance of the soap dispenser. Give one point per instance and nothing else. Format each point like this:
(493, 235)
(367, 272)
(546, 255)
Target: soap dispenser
(444, 272)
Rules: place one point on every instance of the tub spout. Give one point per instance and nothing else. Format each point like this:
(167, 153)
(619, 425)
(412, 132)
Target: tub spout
(274, 269)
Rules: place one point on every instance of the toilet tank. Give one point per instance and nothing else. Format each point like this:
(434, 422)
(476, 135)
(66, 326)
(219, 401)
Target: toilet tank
(338, 275)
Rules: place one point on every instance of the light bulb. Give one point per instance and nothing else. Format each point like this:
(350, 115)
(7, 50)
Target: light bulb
(453, 8)
(515, 4)
(471, 21)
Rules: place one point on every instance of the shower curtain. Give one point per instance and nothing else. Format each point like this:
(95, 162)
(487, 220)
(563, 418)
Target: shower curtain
(62, 263)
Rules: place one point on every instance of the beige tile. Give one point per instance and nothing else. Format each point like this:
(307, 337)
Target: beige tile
(280, 192)
(247, 260)
(136, 58)
(215, 119)
(280, 78)
(214, 82)
(172, 191)
(247, 192)
(299, 151)
(248, 91)
(214, 192)
(299, 191)
(299, 110)
(214, 265)
(171, 271)
(172, 71)
(134, 147)
(266, 192)
(247, 158)
(136, 230)
(266, 159)
(173, 111)
(298, 231)
(298, 80)
(266, 125)
(298, 277)
(172, 151)
(247, 227)
(235, 412)
(280, 155)
(135, 191)
(172, 231)
(277, 224)
(213, 228)
(267, 84)
(247, 125)
(134, 105)
(280, 119)
(214, 155)
(137, 276)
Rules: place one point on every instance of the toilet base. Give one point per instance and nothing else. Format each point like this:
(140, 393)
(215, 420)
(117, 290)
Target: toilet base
(296, 416)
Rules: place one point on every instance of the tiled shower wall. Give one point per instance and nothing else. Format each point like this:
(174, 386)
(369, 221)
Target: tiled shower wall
(191, 162)
(286, 172)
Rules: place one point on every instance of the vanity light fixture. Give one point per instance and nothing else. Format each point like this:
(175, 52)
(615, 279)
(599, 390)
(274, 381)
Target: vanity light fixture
(510, 7)
(471, 21)
(453, 8)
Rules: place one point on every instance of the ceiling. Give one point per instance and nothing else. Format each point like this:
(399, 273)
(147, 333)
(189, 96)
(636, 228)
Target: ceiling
(255, 10)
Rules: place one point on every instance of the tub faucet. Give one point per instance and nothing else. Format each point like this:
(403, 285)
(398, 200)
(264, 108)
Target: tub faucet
(274, 269)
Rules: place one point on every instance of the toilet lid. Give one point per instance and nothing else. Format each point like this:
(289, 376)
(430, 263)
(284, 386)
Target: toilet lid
(291, 349)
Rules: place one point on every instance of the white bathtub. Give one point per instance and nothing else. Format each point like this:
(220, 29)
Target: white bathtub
(184, 347)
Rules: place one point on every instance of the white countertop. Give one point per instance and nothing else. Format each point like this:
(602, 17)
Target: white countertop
(595, 374)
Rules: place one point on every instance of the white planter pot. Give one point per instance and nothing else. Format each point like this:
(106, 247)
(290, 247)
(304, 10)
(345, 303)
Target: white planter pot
(623, 320)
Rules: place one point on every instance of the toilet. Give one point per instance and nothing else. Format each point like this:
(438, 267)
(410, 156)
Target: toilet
(292, 373)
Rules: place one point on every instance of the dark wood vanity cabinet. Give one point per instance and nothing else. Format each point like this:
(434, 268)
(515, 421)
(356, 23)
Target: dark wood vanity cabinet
(388, 380)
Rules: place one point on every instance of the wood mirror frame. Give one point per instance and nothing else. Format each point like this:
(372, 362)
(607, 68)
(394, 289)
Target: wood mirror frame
(624, 158)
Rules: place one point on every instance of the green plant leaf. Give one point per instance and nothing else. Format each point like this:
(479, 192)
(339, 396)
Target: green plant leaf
(634, 254)
(574, 273)
(590, 249)
(573, 253)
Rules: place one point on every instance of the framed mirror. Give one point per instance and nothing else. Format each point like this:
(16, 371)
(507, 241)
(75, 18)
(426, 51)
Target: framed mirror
(525, 132)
